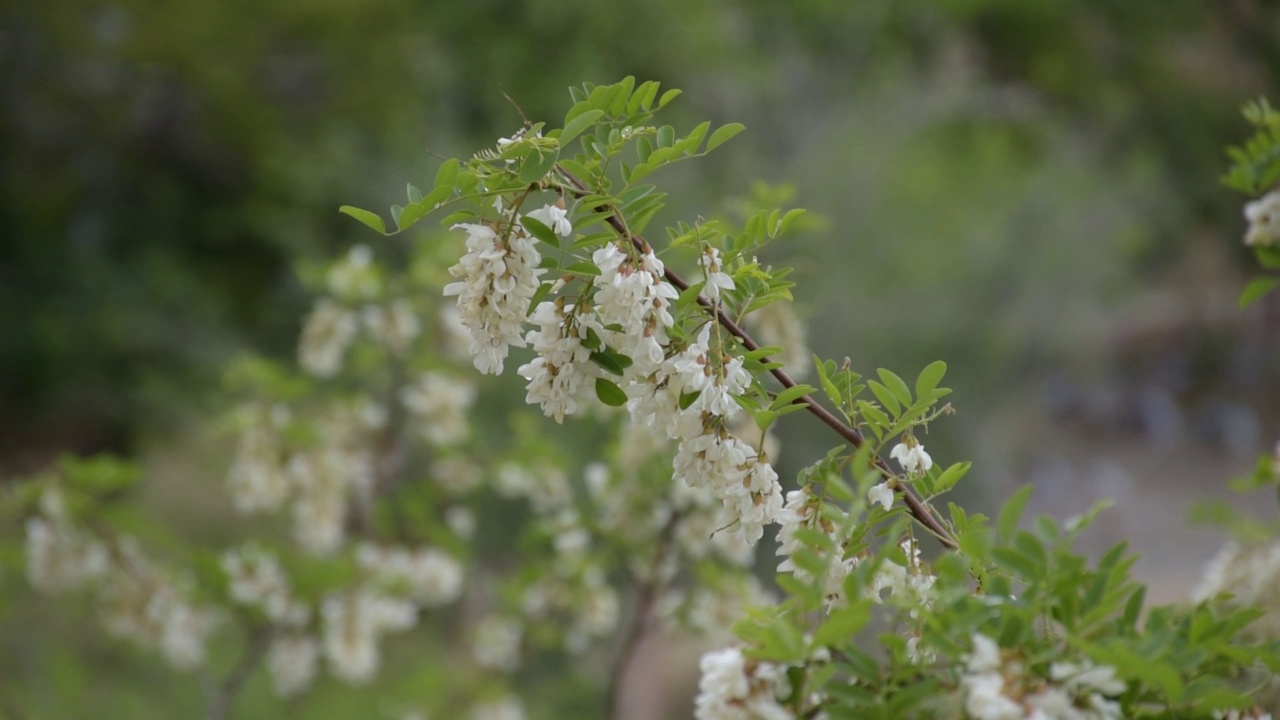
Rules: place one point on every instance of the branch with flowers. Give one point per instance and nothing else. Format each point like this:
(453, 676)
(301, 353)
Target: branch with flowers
(418, 501)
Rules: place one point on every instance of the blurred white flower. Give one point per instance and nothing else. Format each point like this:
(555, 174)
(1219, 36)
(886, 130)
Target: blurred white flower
(1263, 215)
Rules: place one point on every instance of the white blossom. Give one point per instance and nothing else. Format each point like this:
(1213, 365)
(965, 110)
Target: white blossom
(1263, 215)
(633, 295)
(353, 624)
(497, 643)
(320, 511)
(429, 576)
(497, 278)
(560, 373)
(912, 457)
(59, 557)
(292, 663)
(257, 580)
(326, 336)
(507, 708)
(713, 271)
(257, 479)
(731, 470)
(730, 690)
(395, 325)
(554, 217)
(881, 494)
(354, 277)
(440, 402)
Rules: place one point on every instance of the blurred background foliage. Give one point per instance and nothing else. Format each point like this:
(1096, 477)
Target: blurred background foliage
(1026, 190)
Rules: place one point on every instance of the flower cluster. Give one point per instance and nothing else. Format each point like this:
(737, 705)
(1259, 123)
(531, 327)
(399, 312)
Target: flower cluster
(996, 688)
(1263, 215)
(733, 688)
(497, 279)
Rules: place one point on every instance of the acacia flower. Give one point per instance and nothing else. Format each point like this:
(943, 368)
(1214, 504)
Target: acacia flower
(717, 279)
(912, 457)
(1263, 215)
(881, 494)
(554, 217)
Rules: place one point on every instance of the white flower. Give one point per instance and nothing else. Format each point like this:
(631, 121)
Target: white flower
(320, 512)
(395, 325)
(257, 580)
(728, 691)
(353, 623)
(292, 663)
(717, 279)
(461, 521)
(985, 656)
(507, 708)
(496, 281)
(354, 277)
(61, 558)
(733, 472)
(554, 217)
(985, 698)
(912, 458)
(1263, 215)
(441, 402)
(430, 577)
(558, 376)
(882, 494)
(328, 332)
(497, 644)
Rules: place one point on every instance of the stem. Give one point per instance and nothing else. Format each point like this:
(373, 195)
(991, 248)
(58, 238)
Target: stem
(225, 694)
(919, 510)
(646, 597)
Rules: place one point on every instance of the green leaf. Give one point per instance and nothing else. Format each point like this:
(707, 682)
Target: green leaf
(573, 128)
(896, 385)
(885, 396)
(366, 217)
(447, 175)
(841, 625)
(929, 378)
(790, 395)
(411, 214)
(583, 268)
(667, 97)
(414, 194)
(609, 393)
(1011, 514)
(723, 134)
(1257, 288)
(610, 361)
(951, 476)
(540, 231)
(535, 167)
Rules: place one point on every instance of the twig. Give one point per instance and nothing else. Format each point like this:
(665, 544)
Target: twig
(645, 599)
(918, 509)
(225, 694)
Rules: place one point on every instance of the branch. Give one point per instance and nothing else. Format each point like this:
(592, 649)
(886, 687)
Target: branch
(225, 694)
(918, 509)
(647, 596)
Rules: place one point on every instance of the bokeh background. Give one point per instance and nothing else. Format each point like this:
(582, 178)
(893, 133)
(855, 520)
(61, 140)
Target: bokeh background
(1027, 190)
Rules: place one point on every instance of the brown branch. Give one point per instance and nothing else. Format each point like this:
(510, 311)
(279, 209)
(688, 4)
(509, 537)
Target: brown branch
(647, 595)
(921, 512)
(259, 641)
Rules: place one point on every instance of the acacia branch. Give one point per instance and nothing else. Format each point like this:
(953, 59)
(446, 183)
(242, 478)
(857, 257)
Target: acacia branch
(224, 695)
(919, 510)
(647, 596)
